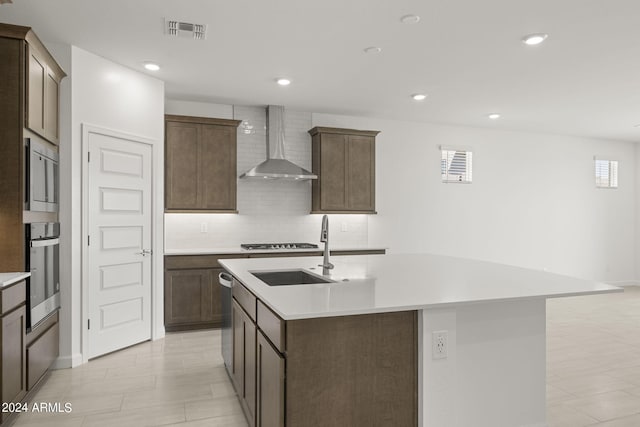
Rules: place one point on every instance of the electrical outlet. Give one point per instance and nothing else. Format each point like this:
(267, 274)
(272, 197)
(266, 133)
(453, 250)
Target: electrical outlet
(439, 345)
(203, 227)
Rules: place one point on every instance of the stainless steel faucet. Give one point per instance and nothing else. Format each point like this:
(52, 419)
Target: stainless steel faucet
(324, 237)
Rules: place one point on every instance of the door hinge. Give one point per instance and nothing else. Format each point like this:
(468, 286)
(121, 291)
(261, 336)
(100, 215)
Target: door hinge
(88, 323)
(89, 156)
(88, 240)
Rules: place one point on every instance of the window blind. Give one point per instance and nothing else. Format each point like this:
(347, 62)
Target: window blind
(456, 165)
(606, 173)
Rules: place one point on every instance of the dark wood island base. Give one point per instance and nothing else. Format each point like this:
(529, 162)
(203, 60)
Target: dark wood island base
(359, 370)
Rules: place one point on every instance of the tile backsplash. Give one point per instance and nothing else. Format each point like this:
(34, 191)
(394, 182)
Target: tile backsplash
(269, 211)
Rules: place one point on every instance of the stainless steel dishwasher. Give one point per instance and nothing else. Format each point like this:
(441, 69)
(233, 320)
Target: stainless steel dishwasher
(227, 337)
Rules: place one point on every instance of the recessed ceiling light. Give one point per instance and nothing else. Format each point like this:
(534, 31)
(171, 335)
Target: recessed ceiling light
(494, 116)
(151, 66)
(283, 82)
(410, 19)
(534, 39)
(419, 96)
(372, 49)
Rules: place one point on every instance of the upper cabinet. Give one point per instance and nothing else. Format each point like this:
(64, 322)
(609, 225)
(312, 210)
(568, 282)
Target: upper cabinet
(43, 88)
(345, 162)
(200, 161)
(39, 81)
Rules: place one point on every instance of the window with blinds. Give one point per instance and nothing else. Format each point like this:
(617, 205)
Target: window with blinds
(456, 165)
(606, 173)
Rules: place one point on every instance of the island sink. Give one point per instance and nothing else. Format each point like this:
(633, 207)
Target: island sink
(289, 277)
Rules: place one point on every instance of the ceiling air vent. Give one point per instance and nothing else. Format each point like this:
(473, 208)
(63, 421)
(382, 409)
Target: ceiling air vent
(185, 29)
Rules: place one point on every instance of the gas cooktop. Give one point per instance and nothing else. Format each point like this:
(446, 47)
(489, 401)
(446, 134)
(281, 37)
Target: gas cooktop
(273, 246)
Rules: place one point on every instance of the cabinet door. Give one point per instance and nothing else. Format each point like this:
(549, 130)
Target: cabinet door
(181, 173)
(51, 105)
(333, 173)
(237, 370)
(13, 356)
(37, 76)
(269, 385)
(250, 369)
(361, 173)
(244, 361)
(41, 354)
(218, 167)
(188, 297)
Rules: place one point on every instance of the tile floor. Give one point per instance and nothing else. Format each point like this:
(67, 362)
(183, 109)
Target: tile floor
(593, 360)
(593, 375)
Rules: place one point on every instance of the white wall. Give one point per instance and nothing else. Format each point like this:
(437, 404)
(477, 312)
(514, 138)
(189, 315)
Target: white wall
(533, 200)
(637, 215)
(103, 94)
(269, 211)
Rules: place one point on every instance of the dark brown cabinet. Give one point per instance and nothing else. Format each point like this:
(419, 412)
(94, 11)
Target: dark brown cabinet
(359, 370)
(43, 87)
(42, 349)
(188, 297)
(269, 384)
(12, 344)
(200, 162)
(244, 360)
(29, 82)
(192, 297)
(344, 160)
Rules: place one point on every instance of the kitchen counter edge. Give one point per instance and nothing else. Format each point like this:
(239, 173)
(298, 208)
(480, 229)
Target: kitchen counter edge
(263, 292)
(241, 251)
(7, 279)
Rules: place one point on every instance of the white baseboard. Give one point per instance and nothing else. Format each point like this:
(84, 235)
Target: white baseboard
(65, 362)
(624, 283)
(158, 333)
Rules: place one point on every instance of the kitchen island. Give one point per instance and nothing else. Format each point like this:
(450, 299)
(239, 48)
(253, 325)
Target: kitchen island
(490, 319)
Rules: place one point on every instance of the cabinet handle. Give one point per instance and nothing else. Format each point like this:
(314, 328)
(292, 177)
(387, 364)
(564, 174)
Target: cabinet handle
(145, 252)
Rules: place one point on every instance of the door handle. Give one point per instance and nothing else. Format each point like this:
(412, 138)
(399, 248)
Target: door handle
(145, 252)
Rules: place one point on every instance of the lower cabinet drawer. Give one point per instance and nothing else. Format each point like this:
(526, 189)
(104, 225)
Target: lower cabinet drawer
(272, 326)
(41, 354)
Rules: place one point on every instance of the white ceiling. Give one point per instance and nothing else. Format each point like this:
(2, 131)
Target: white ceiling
(467, 55)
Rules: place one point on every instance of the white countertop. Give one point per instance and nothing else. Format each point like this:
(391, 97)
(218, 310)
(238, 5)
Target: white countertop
(7, 279)
(383, 283)
(239, 250)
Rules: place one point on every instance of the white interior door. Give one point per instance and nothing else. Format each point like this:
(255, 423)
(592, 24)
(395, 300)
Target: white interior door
(118, 242)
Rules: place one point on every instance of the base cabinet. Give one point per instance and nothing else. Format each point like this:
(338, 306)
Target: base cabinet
(12, 345)
(269, 384)
(192, 296)
(14, 386)
(359, 370)
(41, 354)
(244, 360)
(188, 297)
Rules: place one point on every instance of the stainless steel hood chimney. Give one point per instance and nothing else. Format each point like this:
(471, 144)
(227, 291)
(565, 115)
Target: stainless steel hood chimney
(276, 166)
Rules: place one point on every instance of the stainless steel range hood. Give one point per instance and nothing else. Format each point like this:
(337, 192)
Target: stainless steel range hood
(276, 166)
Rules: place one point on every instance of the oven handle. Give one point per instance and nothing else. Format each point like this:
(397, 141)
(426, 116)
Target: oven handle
(45, 242)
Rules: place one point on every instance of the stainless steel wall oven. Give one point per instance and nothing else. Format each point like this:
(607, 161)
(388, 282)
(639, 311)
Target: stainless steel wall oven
(43, 261)
(41, 177)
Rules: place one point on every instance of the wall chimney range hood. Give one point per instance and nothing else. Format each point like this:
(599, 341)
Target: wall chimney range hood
(276, 166)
